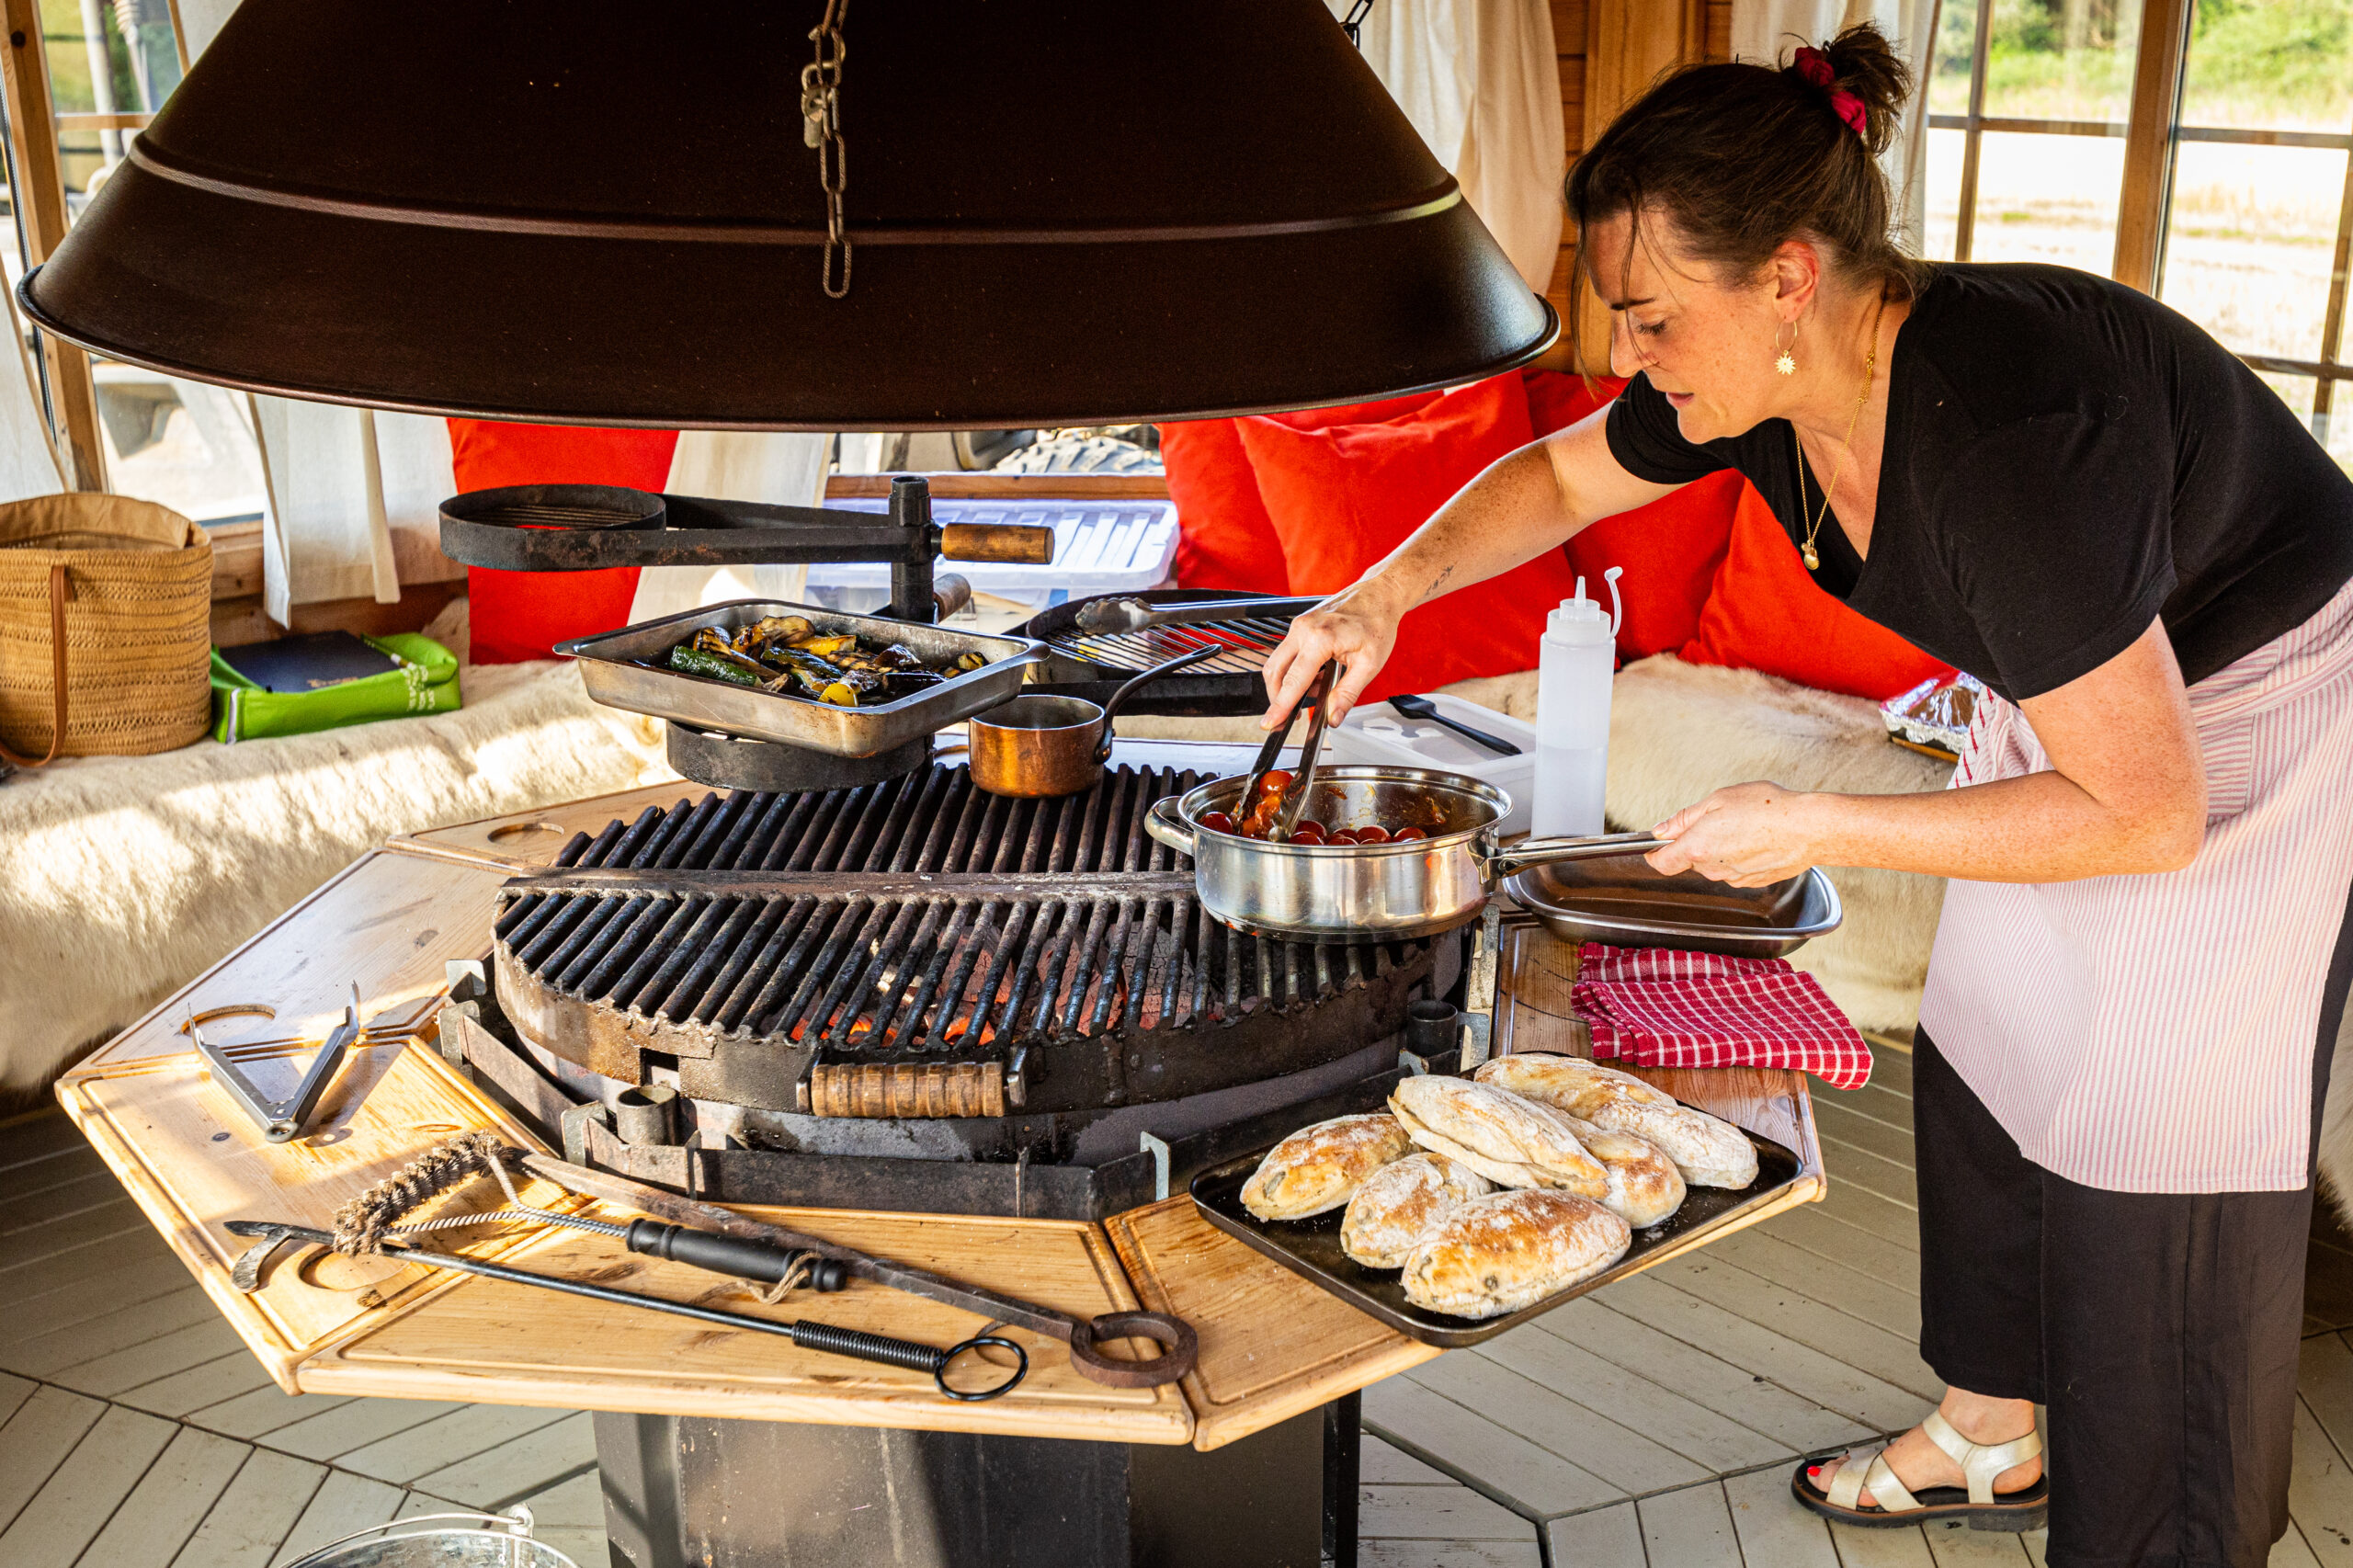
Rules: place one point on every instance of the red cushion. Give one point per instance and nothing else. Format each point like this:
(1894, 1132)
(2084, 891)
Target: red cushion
(1556, 401)
(1342, 496)
(1672, 550)
(515, 616)
(1765, 614)
(1225, 538)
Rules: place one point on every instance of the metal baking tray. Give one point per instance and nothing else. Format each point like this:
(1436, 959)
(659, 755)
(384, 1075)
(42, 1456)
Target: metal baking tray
(1621, 901)
(1311, 1249)
(623, 669)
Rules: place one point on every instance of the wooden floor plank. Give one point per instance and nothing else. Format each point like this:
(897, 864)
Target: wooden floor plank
(353, 1425)
(2038, 1547)
(1436, 1513)
(265, 1410)
(1827, 1381)
(1880, 1549)
(1859, 1167)
(206, 1383)
(28, 1247)
(47, 1205)
(2325, 1379)
(36, 1135)
(518, 1467)
(1599, 1538)
(2320, 1492)
(1716, 1443)
(101, 1259)
(14, 1391)
(344, 1502)
(1620, 1456)
(1774, 1533)
(1869, 1213)
(148, 1279)
(71, 1343)
(134, 1365)
(1690, 1529)
(570, 1517)
(1448, 1554)
(1735, 1392)
(2328, 1285)
(472, 1429)
(1891, 1071)
(1506, 1467)
(1877, 1101)
(1958, 1546)
(35, 1440)
(269, 1492)
(1890, 1357)
(164, 1510)
(1848, 1291)
(1825, 1236)
(1848, 1125)
(76, 1501)
(23, 1178)
(1382, 1461)
(2291, 1550)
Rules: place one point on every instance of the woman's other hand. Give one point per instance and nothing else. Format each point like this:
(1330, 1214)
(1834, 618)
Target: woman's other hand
(1356, 626)
(1749, 836)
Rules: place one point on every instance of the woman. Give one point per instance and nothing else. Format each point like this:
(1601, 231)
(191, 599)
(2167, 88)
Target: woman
(2061, 487)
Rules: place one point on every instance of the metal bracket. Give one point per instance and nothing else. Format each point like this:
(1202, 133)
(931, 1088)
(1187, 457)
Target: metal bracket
(467, 985)
(1419, 1066)
(281, 1122)
(1159, 1153)
(1479, 988)
(575, 1129)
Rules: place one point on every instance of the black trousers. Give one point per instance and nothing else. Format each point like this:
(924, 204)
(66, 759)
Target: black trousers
(2160, 1329)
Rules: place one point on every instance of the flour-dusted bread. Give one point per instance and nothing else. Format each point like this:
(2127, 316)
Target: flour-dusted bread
(1320, 1167)
(1645, 1186)
(1399, 1201)
(1708, 1149)
(1510, 1141)
(1497, 1254)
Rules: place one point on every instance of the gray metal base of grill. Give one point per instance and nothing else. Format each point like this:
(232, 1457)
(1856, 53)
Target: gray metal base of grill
(730, 761)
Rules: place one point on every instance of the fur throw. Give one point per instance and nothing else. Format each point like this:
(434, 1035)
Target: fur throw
(124, 877)
(1679, 730)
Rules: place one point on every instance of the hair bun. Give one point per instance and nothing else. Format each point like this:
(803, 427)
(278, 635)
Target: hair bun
(1863, 64)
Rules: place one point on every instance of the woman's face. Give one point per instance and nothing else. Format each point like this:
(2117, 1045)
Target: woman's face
(1710, 347)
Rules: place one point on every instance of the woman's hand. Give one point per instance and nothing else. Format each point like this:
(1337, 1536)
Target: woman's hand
(1356, 626)
(1749, 836)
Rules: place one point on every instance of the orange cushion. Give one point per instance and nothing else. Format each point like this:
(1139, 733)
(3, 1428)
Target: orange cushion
(1342, 496)
(1765, 614)
(515, 616)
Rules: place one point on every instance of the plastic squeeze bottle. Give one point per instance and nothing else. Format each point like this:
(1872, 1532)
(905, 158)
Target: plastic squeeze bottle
(1576, 655)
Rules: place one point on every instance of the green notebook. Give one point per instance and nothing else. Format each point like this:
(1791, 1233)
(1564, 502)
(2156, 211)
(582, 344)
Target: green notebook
(423, 679)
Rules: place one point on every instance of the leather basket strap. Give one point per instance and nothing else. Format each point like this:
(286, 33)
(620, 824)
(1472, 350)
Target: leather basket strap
(60, 588)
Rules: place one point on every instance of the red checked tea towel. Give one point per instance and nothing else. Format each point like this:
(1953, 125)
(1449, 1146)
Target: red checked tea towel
(1658, 1007)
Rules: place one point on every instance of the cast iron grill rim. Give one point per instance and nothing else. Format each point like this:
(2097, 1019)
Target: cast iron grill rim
(913, 976)
(1252, 639)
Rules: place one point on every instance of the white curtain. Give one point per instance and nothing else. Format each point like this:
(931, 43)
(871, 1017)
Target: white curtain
(355, 503)
(783, 470)
(1768, 31)
(1480, 83)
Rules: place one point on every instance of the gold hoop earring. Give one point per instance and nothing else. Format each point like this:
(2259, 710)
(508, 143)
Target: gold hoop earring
(1782, 361)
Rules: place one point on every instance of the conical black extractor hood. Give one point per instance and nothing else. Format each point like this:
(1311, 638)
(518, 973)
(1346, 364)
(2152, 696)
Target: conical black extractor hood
(1058, 212)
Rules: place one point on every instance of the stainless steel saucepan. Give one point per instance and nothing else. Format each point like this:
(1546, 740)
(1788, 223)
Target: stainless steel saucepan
(1364, 893)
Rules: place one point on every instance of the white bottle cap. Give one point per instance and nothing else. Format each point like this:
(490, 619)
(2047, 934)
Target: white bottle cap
(1579, 618)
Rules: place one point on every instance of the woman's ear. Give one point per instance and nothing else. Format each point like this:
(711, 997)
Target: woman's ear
(1794, 269)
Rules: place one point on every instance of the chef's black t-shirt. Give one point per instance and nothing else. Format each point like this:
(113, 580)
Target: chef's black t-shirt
(2065, 461)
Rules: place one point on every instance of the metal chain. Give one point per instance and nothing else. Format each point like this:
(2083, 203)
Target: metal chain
(821, 115)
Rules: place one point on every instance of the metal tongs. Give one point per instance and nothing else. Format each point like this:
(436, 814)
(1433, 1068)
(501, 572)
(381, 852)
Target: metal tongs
(281, 1122)
(1294, 799)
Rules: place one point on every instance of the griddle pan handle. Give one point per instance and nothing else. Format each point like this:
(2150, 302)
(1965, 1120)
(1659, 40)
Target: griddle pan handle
(1163, 823)
(1498, 864)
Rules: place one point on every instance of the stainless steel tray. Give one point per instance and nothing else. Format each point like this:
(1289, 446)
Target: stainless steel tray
(1621, 901)
(624, 670)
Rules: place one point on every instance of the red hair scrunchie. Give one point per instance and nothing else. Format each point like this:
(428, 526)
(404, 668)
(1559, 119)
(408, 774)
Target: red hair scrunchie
(1814, 68)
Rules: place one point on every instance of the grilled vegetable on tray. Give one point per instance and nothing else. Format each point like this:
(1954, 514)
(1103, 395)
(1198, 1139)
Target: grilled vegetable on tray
(787, 654)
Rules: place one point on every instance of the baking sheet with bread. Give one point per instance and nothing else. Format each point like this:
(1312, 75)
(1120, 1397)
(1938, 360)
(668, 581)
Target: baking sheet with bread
(1492, 1194)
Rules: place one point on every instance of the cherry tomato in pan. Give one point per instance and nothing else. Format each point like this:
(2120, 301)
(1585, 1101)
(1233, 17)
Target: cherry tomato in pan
(1217, 821)
(1254, 828)
(1407, 835)
(1342, 836)
(1373, 833)
(1308, 833)
(1274, 782)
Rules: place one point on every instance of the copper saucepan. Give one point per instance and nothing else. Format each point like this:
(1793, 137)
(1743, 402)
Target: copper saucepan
(1039, 747)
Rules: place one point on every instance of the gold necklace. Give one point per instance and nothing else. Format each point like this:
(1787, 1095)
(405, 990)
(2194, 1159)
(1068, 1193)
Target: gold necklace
(1814, 530)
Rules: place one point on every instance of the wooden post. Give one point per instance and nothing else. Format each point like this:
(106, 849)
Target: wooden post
(2149, 143)
(1628, 44)
(40, 195)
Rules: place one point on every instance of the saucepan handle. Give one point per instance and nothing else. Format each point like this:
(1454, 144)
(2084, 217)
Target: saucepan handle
(1163, 823)
(1498, 864)
(1111, 709)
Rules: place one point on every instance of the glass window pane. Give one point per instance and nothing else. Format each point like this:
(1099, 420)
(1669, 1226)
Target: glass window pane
(105, 57)
(2335, 429)
(2277, 65)
(2062, 59)
(1956, 48)
(2042, 198)
(2250, 241)
(1945, 151)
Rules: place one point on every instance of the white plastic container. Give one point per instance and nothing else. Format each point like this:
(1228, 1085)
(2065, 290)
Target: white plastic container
(1376, 733)
(1100, 547)
(1578, 654)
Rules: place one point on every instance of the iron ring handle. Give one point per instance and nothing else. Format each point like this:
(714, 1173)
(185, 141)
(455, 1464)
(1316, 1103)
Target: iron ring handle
(1180, 1347)
(1020, 1368)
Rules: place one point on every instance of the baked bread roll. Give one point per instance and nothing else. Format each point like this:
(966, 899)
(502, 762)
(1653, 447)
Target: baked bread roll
(1708, 1149)
(1318, 1168)
(1645, 1186)
(1497, 1254)
(1510, 1141)
(1402, 1200)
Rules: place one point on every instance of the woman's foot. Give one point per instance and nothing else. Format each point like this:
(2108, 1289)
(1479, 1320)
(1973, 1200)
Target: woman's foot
(1920, 1464)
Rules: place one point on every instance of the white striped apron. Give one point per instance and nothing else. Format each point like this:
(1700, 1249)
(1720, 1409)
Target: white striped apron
(2155, 1033)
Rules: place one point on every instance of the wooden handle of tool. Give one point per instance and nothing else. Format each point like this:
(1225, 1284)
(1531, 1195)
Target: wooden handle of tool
(1017, 544)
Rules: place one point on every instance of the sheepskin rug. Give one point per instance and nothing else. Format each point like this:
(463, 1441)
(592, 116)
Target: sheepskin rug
(1679, 731)
(122, 877)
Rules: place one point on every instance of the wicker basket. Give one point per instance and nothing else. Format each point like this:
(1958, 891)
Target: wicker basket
(128, 585)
